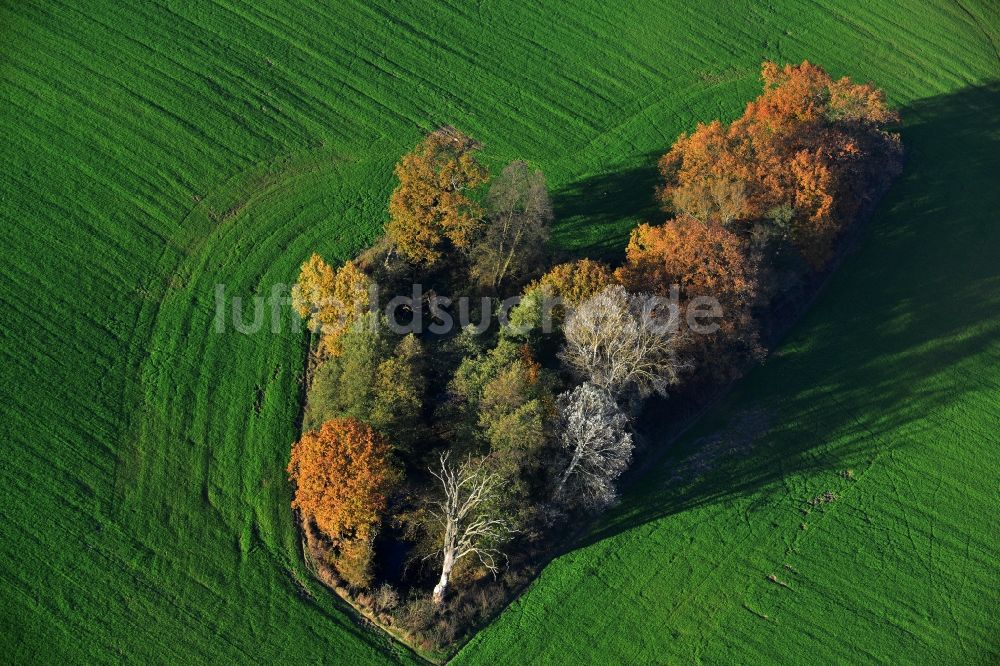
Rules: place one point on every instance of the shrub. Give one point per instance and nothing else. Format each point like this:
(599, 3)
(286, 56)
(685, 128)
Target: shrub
(419, 614)
(386, 599)
(353, 561)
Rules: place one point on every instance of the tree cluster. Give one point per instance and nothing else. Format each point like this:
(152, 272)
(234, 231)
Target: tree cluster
(464, 449)
(799, 163)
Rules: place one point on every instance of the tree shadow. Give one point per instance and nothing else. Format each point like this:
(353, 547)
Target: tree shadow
(882, 347)
(596, 213)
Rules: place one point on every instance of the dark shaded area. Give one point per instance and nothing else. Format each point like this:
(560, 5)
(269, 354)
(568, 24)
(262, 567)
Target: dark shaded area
(596, 214)
(920, 295)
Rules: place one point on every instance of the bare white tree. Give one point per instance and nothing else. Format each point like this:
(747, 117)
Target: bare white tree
(468, 526)
(593, 431)
(623, 343)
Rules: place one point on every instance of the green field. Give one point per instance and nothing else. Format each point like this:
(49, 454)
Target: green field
(150, 154)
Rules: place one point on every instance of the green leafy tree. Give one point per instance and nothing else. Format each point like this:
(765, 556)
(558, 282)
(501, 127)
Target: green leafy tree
(345, 385)
(507, 406)
(399, 389)
(372, 382)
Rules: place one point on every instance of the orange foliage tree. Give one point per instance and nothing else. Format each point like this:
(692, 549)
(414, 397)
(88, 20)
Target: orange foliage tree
(701, 259)
(331, 301)
(431, 205)
(804, 155)
(342, 475)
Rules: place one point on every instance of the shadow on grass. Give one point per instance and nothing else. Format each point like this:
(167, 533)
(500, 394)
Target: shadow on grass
(859, 374)
(597, 213)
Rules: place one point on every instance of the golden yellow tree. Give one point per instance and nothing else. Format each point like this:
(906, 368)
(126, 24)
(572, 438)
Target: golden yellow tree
(314, 286)
(576, 281)
(330, 301)
(431, 205)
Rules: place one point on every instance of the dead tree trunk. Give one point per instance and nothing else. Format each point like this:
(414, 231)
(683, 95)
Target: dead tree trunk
(468, 526)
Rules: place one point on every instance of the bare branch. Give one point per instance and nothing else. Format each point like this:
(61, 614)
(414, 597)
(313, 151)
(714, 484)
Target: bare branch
(468, 525)
(593, 434)
(622, 343)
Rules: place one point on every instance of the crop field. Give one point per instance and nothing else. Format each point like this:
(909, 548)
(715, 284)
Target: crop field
(839, 505)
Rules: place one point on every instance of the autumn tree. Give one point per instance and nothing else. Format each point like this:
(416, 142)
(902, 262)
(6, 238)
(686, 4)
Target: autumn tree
(513, 241)
(802, 158)
(314, 287)
(623, 343)
(342, 476)
(330, 301)
(595, 444)
(467, 517)
(576, 281)
(707, 176)
(432, 207)
(539, 316)
(700, 259)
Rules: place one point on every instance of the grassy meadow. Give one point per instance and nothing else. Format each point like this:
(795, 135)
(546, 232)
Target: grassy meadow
(152, 153)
